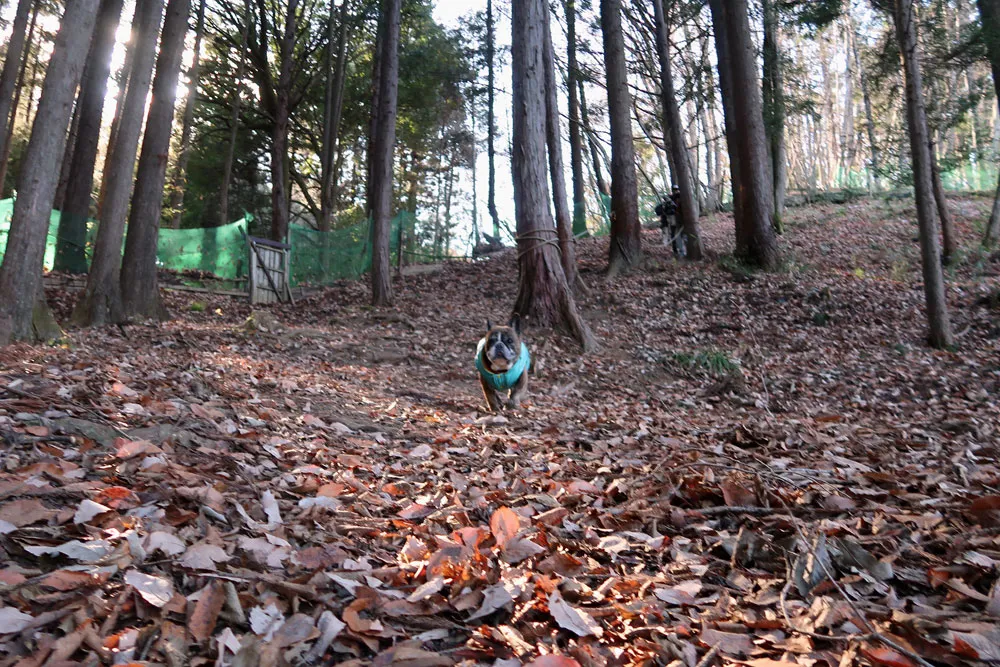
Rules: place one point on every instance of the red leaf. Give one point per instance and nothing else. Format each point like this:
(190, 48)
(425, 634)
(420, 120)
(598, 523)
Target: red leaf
(887, 656)
(504, 524)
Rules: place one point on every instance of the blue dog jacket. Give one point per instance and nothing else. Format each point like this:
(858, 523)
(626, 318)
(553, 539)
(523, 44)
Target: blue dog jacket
(507, 379)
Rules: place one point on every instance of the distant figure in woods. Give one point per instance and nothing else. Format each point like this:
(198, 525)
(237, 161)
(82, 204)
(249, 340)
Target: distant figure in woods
(669, 210)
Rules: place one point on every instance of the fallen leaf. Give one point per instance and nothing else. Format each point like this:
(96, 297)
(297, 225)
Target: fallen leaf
(570, 618)
(157, 591)
(504, 524)
(206, 612)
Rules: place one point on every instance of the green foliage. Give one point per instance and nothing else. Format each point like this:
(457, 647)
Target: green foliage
(713, 362)
(197, 307)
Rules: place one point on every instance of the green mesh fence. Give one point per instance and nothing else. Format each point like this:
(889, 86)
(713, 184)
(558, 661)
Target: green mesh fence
(316, 257)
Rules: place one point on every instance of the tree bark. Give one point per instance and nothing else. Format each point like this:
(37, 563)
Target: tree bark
(752, 190)
(279, 132)
(674, 138)
(567, 245)
(8, 128)
(234, 122)
(626, 238)
(989, 13)
(139, 286)
(72, 238)
(11, 65)
(74, 132)
(180, 170)
(101, 299)
(544, 296)
(491, 195)
(937, 308)
(336, 77)
(602, 186)
(384, 139)
(21, 273)
(575, 130)
(774, 111)
(949, 244)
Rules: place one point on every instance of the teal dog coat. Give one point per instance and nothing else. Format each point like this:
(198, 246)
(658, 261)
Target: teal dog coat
(507, 379)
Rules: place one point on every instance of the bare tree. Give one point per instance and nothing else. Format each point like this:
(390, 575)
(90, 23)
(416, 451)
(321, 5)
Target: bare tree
(11, 65)
(22, 306)
(234, 121)
(674, 137)
(575, 128)
(384, 139)
(626, 237)
(544, 295)
(100, 302)
(139, 286)
(567, 245)
(905, 21)
(184, 153)
(741, 93)
(72, 237)
(774, 110)
(989, 13)
(491, 132)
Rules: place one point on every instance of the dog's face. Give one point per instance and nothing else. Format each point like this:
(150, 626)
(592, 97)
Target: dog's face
(503, 345)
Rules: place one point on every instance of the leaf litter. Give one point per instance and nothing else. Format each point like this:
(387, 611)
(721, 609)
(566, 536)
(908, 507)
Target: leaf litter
(756, 469)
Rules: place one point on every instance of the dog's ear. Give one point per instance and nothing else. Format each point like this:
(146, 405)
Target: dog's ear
(489, 324)
(515, 323)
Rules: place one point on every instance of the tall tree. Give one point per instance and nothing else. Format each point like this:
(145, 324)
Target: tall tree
(774, 110)
(139, 285)
(626, 238)
(383, 142)
(281, 112)
(184, 152)
(905, 21)
(544, 295)
(72, 236)
(100, 302)
(491, 132)
(336, 69)
(989, 14)
(234, 119)
(21, 273)
(11, 65)
(752, 192)
(567, 245)
(674, 137)
(575, 129)
(8, 130)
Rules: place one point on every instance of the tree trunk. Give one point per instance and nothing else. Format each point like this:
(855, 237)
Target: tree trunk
(752, 190)
(11, 65)
(279, 131)
(139, 286)
(729, 117)
(491, 195)
(180, 169)
(989, 13)
(101, 300)
(21, 273)
(384, 139)
(774, 111)
(74, 133)
(602, 186)
(8, 129)
(869, 116)
(575, 131)
(72, 237)
(626, 238)
(949, 244)
(124, 75)
(336, 77)
(567, 246)
(937, 308)
(674, 138)
(234, 122)
(544, 297)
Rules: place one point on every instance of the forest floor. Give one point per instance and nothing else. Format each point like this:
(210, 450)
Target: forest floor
(755, 469)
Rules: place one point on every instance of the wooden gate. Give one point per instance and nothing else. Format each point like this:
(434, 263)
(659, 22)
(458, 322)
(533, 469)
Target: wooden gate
(269, 271)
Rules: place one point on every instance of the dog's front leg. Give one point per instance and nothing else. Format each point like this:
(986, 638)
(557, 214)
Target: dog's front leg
(492, 396)
(518, 391)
